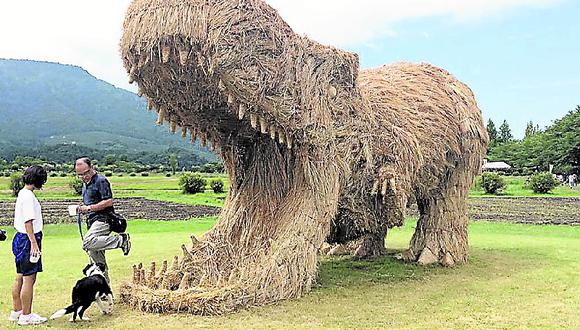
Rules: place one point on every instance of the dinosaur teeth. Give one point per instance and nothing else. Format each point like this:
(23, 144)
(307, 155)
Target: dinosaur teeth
(241, 111)
(183, 53)
(175, 263)
(272, 132)
(193, 135)
(231, 99)
(289, 141)
(135, 274)
(203, 140)
(161, 117)
(172, 127)
(253, 120)
(184, 284)
(375, 188)
(183, 132)
(163, 267)
(140, 92)
(149, 104)
(132, 74)
(384, 188)
(194, 242)
(281, 137)
(165, 52)
(263, 125)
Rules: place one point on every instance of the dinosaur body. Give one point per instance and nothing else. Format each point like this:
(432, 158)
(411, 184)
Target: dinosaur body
(314, 150)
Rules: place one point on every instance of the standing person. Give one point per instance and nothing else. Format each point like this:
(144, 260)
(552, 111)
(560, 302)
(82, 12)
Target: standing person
(98, 205)
(572, 180)
(27, 246)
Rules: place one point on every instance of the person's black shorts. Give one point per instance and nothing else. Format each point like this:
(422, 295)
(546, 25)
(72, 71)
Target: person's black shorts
(21, 250)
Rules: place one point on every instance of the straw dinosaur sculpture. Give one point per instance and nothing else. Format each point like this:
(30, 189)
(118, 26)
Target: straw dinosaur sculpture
(315, 149)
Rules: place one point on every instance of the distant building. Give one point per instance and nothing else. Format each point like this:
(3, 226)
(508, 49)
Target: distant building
(495, 166)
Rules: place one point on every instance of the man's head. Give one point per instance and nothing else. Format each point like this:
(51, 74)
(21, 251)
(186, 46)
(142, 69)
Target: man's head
(35, 175)
(84, 169)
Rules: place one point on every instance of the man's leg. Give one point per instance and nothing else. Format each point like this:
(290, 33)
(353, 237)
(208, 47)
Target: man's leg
(97, 240)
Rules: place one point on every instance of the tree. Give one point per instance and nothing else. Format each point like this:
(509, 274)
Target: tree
(492, 133)
(505, 133)
(531, 129)
(173, 163)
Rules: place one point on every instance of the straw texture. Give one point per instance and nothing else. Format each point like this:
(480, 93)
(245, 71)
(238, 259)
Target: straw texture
(315, 150)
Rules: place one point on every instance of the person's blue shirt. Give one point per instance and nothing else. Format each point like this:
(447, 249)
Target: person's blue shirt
(97, 190)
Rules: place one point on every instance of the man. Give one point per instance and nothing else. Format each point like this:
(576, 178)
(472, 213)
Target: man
(98, 204)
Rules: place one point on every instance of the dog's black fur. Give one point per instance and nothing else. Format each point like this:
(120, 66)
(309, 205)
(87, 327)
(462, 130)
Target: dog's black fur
(2, 235)
(93, 287)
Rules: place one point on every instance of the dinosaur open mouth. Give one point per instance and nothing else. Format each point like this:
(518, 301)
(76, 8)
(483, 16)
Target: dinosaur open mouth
(181, 86)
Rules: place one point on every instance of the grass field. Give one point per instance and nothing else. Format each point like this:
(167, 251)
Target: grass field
(518, 276)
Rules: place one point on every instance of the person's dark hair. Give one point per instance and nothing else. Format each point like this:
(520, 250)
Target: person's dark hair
(85, 160)
(35, 175)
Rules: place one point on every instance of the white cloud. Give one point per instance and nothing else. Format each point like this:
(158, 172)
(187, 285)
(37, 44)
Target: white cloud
(351, 22)
(87, 33)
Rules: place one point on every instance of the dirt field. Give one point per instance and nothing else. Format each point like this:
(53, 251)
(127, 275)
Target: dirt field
(55, 211)
(530, 210)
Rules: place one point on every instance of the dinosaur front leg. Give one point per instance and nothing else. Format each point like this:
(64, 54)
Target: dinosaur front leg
(263, 249)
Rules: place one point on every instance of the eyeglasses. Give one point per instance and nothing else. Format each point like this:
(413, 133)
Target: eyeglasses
(85, 173)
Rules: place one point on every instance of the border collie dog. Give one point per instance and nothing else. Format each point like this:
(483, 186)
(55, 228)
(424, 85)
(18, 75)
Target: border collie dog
(92, 288)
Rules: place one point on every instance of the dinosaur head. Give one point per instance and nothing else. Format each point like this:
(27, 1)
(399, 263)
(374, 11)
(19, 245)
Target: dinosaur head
(233, 72)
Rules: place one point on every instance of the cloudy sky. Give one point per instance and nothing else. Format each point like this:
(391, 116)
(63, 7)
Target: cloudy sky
(521, 57)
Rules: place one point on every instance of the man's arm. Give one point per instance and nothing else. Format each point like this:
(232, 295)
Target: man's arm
(96, 207)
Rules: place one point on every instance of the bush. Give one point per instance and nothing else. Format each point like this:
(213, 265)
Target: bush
(542, 183)
(145, 174)
(7, 174)
(492, 183)
(217, 186)
(76, 185)
(16, 183)
(120, 174)
(62, 174)
(132, 174)
(53, 174)
(168, 174)
(108, 173)
(192, 183)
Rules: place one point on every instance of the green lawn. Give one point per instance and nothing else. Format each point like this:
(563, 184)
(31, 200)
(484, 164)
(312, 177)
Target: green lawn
(519, 276)
(159, 187)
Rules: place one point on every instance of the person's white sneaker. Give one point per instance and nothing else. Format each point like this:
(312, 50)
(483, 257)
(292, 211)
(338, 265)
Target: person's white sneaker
(14, 316)
(31, 319)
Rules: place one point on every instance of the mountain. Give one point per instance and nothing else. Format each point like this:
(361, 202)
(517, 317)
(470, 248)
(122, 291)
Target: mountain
(47, 106)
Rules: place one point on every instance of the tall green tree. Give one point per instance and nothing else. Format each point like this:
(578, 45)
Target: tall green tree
(492, 133)
(173, 163)
(531, 129)
(505, 133)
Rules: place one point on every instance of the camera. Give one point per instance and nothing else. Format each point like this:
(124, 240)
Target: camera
(2, 235)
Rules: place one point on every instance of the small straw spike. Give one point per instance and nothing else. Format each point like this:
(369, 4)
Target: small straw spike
(161, 117)
(183, 53)
(232, 276)
(193, 135)
(263, 125)
(183, 132)
(175, 263)
(289, 141)
(151, 272)
(186, 254)
(163, 267)
(141, 276)
(203, 280)
(140, 91)
(281, 137)
(242, 111)
(184, 284)
(220, 281)
(253, 120)
(172, 127)
(231, 99)
(272, 132)
(203, 140)
(149, 104)
(194, 242)
(221, 86)
(165, 52)
(135, 274)
(332, 91)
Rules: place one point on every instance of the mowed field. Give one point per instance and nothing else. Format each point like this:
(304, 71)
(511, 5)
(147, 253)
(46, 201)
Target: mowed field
(518, 276)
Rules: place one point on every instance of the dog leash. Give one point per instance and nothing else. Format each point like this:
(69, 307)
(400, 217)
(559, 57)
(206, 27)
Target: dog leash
(80, 223)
